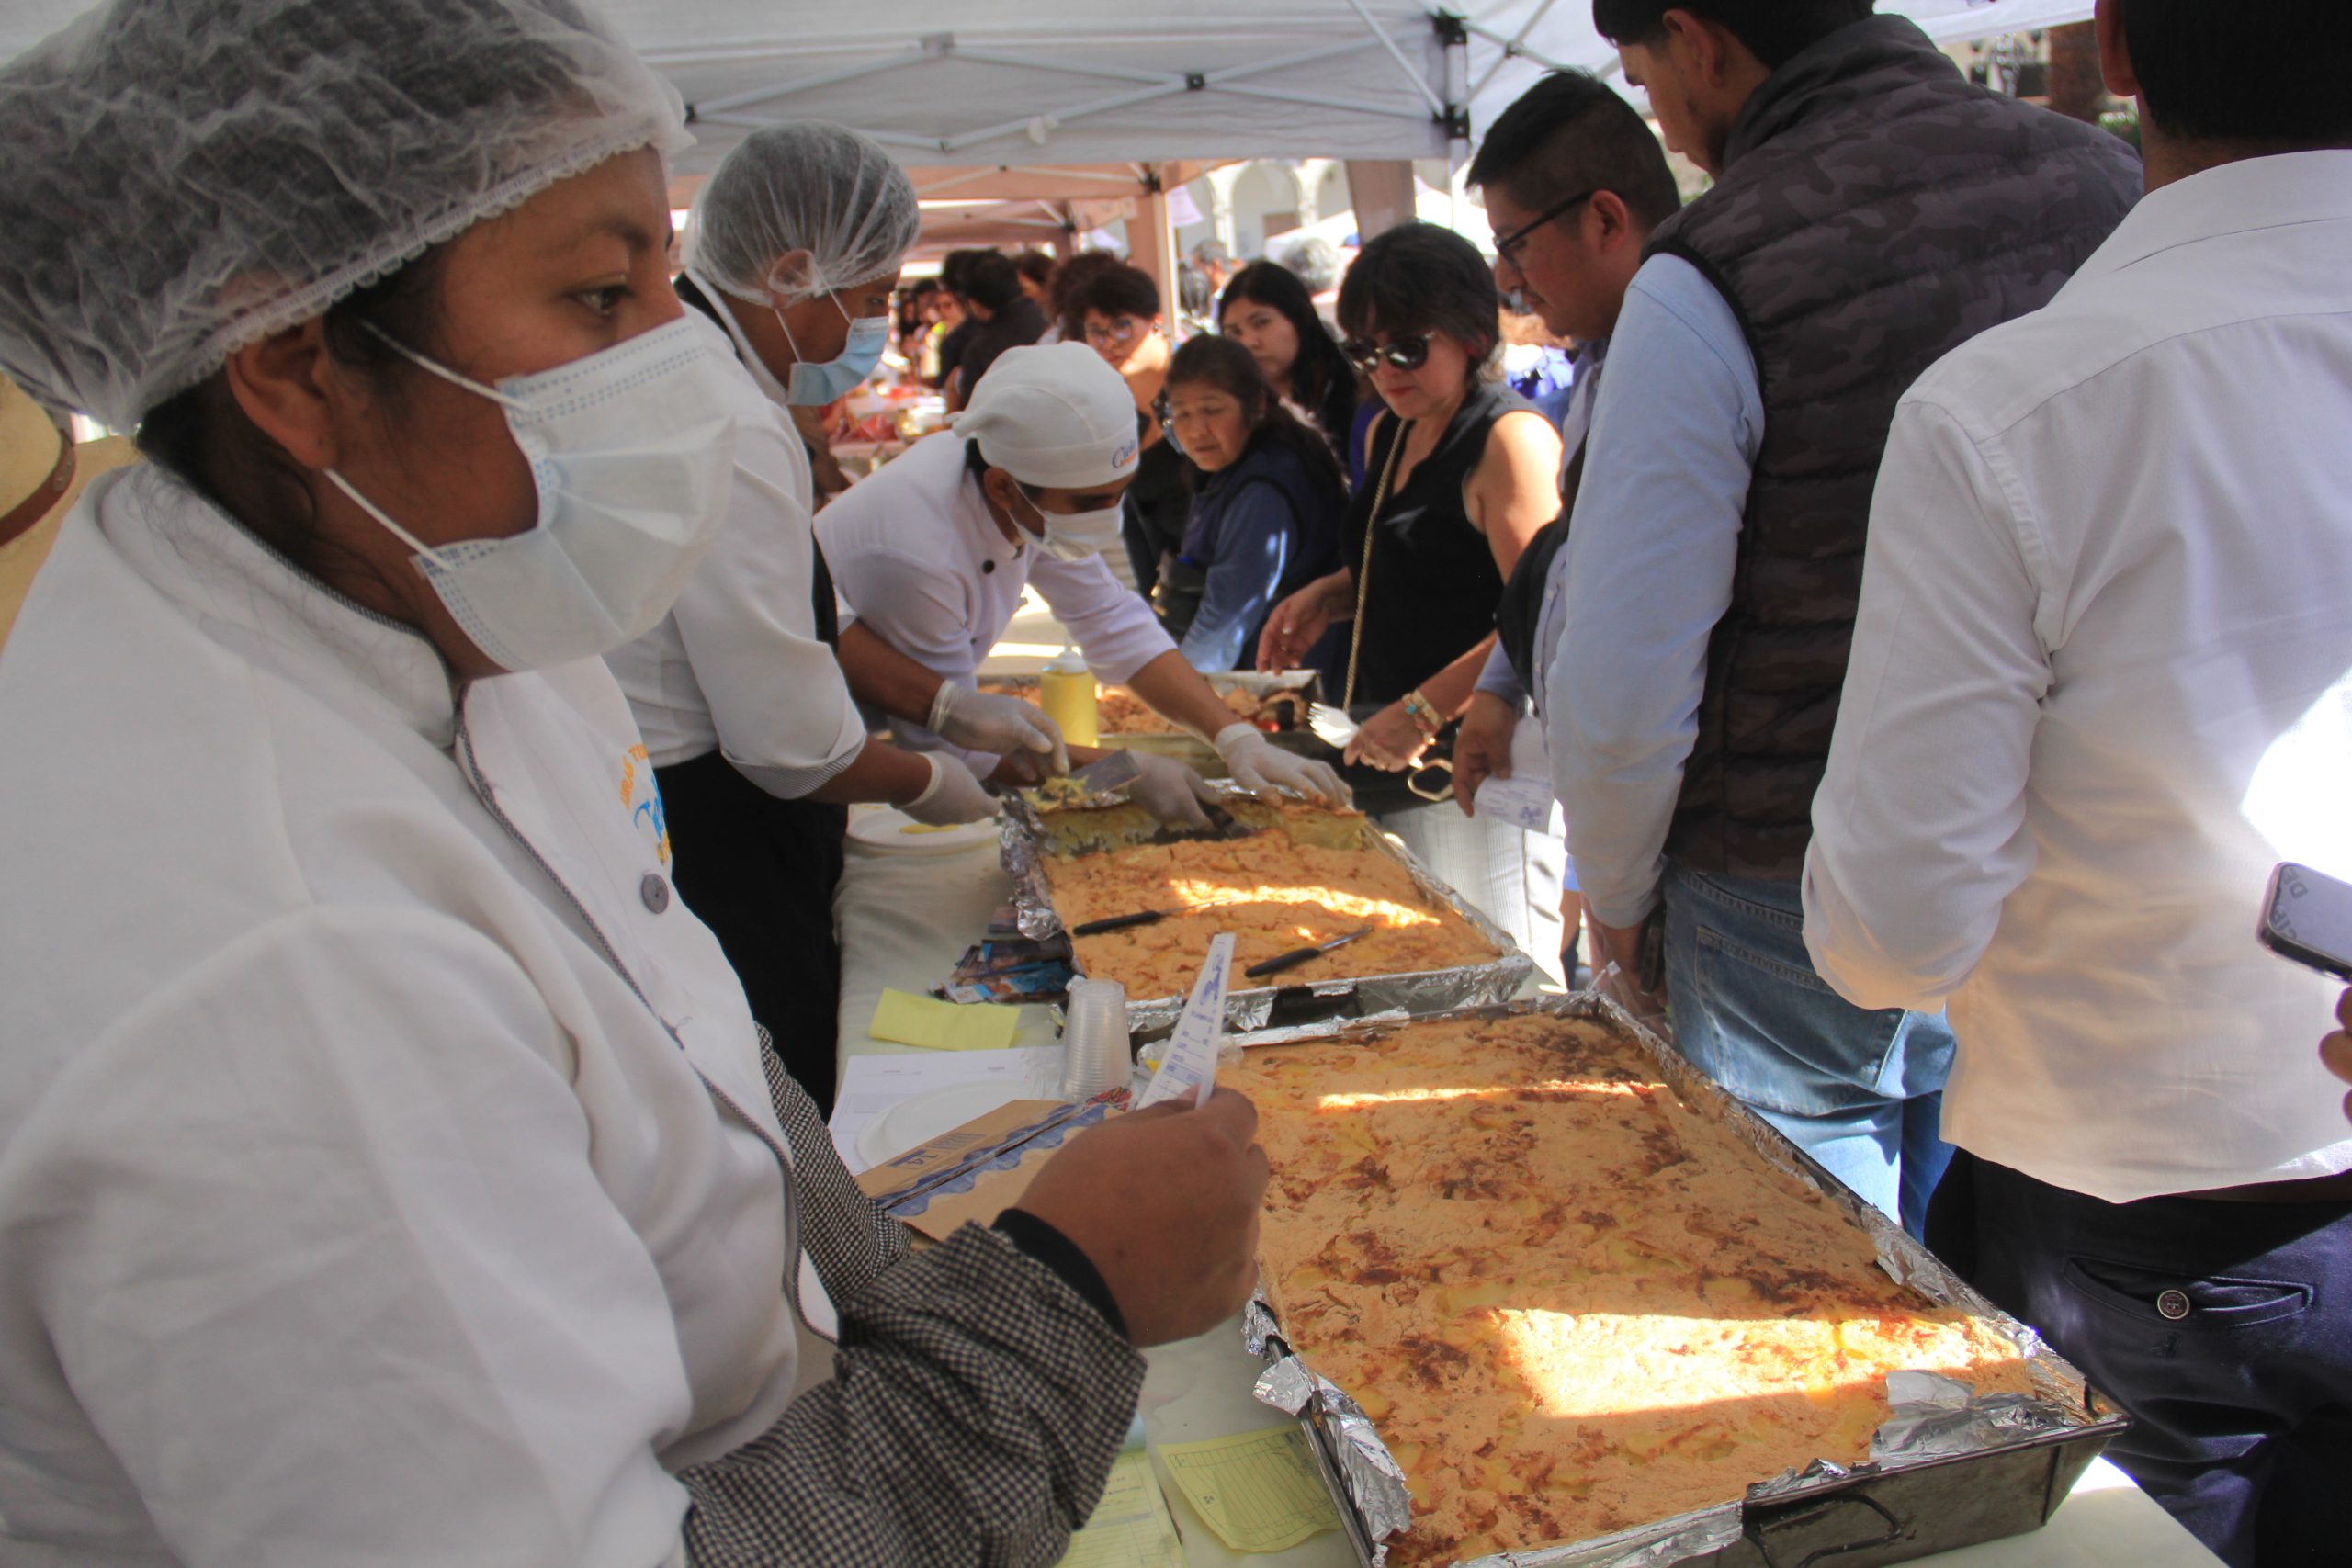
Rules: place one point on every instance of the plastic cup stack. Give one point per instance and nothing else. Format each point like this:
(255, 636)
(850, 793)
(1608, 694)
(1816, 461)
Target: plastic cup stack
(1094, 1039)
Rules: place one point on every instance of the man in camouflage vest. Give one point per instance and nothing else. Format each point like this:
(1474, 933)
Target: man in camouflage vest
(1872, 210)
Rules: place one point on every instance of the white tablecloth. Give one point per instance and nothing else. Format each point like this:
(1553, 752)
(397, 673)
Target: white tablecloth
(905, 919)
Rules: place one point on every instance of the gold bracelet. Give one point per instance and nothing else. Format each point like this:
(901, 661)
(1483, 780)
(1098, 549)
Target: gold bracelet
(1423, 713)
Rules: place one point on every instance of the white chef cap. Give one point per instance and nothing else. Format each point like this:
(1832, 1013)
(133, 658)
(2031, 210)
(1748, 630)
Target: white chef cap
(811, 186)
(185, 177)
(1055, 416)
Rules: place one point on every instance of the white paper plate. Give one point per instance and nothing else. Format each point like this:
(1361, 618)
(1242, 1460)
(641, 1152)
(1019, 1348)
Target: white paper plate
(920, 1118)
(887, 827)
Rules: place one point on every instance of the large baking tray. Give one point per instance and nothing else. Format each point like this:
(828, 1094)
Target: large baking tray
(2001, 1475)
(1316, 1002)
(1291, 732)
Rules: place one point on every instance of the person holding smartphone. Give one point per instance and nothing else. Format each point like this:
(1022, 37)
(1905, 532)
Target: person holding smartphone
(2101, 684)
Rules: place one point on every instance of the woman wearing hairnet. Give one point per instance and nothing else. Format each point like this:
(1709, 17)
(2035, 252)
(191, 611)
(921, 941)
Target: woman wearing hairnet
(792, 254)
(388, 1169)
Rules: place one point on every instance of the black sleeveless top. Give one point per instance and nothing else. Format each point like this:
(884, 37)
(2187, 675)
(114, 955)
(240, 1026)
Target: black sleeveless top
(1432, 587)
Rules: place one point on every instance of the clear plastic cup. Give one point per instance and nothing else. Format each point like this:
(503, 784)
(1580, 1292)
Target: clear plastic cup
(1094, 1039)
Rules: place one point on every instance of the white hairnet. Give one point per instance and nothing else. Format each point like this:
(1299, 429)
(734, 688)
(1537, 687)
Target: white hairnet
(823, 189)
(185, 177)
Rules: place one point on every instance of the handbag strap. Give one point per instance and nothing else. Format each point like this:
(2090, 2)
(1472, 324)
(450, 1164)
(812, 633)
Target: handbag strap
(1363, 570)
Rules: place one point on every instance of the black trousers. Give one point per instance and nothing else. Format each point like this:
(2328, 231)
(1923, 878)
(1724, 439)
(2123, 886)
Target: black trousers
(2225, 1328)
(760, 874)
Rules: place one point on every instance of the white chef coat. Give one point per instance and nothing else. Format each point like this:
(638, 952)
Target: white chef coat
(353, 1207)
(917, 558)
(736, 666)
(2101, 681)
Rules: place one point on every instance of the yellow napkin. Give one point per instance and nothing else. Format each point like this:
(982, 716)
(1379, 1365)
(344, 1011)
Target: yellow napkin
(1131, 1528)
(912, 1020)
(1260, 1492)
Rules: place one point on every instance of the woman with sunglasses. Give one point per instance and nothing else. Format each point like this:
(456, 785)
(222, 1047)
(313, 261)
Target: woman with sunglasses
(1267, 495)
(1118, 310)
(1269, 311)
(1461, 473)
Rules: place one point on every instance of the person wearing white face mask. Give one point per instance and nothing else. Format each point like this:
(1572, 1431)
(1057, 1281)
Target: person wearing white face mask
(394, 1171)
(933, 552)
(792, 253)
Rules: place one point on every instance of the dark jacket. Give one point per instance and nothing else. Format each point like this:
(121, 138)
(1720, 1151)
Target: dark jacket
(1875, 211)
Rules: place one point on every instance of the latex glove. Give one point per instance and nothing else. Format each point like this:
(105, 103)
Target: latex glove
(1170, 791)
(1259, 765)
(954, 794)
(980, 721)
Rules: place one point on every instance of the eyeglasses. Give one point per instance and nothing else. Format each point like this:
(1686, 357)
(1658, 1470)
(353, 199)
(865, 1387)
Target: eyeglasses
(1506, 248)
(1404, 352)
(1120, 331)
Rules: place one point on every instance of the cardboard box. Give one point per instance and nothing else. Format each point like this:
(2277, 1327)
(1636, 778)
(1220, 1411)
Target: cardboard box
(978, 1170)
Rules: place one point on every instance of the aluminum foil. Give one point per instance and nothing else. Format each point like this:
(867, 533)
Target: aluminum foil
(1320, 1004)
(1934, 1417)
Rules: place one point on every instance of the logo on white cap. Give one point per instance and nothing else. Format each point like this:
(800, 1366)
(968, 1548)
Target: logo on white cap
(1125, 454)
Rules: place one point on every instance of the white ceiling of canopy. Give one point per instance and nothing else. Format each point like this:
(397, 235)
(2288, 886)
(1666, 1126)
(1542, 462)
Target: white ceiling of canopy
(1075, 99)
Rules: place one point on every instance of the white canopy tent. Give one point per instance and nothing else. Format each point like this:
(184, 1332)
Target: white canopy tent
(1052, 104)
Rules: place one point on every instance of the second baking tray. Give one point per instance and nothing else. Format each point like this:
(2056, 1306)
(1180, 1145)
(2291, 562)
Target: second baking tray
(1026, 838)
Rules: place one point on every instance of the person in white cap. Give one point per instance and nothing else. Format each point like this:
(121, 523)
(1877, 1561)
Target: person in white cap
(791, 254)
(931, 554)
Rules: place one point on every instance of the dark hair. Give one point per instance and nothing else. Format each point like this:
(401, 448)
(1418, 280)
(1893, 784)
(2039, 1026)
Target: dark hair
(1034, 265)
(2210, 74)
(203, 435)
(955, 264)
(978, 467)
(990, 281)
(1069, 279)
(1223, 364)
(1320, 366)
(1773, 30)
(1418, 277)
(1121, 290)
(1571, 132)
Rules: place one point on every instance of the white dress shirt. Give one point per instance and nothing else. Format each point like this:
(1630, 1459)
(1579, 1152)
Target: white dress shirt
(736, 666)
(332, 1142)
(2101, 680)
(917, 558)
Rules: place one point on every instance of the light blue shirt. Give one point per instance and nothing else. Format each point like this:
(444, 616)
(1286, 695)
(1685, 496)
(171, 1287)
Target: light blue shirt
(1645, 576)
(1575, 424)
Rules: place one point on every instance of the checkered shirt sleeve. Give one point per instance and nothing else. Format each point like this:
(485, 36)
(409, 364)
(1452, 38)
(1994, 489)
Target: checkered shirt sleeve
(975, 1404)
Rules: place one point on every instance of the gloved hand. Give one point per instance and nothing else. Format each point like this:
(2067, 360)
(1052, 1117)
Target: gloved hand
(1259, 765)
(978, 721)
(953, 795)
(1170, 791)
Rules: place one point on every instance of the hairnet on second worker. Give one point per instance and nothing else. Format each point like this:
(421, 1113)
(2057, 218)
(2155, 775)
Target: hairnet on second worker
(810, 188)
(185, 176)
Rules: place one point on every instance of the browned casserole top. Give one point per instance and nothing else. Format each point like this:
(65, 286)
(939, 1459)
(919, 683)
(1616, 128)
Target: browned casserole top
(1572, 1304)
(1273, 892)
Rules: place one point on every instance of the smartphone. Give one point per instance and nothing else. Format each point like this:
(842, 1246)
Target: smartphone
(2307, 918)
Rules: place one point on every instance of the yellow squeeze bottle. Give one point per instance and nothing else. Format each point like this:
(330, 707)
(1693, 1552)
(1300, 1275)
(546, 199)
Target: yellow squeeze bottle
(1066, 691)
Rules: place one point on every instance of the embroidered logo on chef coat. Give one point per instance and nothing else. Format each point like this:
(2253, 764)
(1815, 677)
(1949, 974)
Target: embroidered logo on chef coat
(641, 796)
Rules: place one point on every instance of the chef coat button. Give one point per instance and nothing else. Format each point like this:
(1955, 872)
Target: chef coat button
(2173, 1305)
(654, 891)
(986, 567)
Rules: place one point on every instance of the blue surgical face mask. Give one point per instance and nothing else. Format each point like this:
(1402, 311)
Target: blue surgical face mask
(813, 386)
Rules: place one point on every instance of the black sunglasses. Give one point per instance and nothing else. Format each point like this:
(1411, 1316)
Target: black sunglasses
(1405, 352)
(1508, 247)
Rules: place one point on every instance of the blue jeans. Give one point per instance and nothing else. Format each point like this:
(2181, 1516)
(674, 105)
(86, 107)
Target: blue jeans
(1860, 1092)
(2225, 1328)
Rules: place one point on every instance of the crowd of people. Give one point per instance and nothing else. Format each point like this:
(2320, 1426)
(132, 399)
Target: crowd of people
(1925, 587)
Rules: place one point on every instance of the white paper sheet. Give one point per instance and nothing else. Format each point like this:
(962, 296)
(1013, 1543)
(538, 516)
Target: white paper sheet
(873, 1084)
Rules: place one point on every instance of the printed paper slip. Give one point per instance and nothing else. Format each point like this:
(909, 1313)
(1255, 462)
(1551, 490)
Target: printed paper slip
(1189, 1068)
(1131, 1526)
(1259, 1492)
